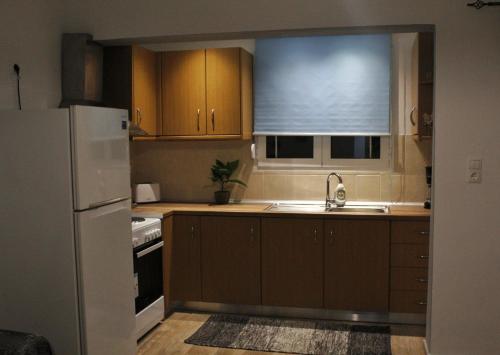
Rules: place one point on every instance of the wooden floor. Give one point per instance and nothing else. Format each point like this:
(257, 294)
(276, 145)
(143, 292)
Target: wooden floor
(168, 338)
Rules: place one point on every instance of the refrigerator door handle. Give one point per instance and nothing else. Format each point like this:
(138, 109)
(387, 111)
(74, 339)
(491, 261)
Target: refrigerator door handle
(108, 202)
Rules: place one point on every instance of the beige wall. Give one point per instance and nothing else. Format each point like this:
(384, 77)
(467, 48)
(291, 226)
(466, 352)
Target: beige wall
(183, 170)
(465, 244)
(30, 35)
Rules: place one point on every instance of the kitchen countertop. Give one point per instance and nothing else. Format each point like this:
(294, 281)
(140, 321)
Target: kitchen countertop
(164, 209)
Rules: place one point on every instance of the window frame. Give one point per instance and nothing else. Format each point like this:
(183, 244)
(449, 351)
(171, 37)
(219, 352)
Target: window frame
(382, 164)
(321, 158)
(283, 163)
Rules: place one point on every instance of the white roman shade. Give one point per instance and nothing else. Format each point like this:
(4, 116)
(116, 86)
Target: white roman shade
(327, 85)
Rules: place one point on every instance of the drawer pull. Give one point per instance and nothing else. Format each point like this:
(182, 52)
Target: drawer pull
(422, 280)
(423, 232)
(423, 256)
(422, 303)
(315, 235)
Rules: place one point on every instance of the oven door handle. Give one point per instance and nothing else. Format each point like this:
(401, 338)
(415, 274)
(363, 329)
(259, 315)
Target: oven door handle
(150, 249)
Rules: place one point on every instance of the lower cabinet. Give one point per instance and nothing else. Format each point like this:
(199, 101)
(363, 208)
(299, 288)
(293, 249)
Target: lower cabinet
(357, 265)
(292, 262)
(409, 266)
(230, 260)
(185, 273)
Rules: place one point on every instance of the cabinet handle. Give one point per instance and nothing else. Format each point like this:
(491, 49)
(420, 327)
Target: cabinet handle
(421, 280)
(422, 303)
(331, 237)
(315, 235)
(423, 256)
(423, 232)
(192, 232)
(213, 119)
(412, 120)
(138, 116)
(198, 119)
(251, 234)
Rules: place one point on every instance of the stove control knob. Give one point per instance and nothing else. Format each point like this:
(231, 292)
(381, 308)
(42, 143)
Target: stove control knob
(135, 241)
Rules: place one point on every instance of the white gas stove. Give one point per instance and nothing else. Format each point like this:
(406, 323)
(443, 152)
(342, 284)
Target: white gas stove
(148, 273)
(145, 230)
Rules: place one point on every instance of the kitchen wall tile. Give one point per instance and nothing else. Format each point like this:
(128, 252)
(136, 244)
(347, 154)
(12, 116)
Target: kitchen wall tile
(276, 187)
(183, 170)
(418, 155)
(367, 187)
(307, 187)
(253, 190)
(415, 188)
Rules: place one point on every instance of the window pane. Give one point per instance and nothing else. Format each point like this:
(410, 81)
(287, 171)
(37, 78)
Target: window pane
(289, 147)
(355, 147)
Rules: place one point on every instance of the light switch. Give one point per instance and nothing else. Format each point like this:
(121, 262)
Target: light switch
(474, 171)
(475, 164)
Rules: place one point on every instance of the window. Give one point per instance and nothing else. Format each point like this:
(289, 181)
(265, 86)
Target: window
(317, 152)
(352, 147)
(289, 147)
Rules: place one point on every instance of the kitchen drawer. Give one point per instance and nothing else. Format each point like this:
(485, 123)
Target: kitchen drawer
(408, 301)
(410, 232)
(409, 255)
(410, 279)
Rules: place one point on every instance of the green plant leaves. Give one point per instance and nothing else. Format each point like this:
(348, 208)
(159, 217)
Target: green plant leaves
(221, 173)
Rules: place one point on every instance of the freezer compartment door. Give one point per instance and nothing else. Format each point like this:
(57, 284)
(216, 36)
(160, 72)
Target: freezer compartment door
(100, 149)
(106, 284)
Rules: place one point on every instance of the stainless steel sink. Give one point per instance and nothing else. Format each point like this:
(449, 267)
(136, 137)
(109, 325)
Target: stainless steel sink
(364, 209)
(318, 208)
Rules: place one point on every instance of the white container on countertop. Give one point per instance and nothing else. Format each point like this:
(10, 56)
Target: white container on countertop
(147, 192)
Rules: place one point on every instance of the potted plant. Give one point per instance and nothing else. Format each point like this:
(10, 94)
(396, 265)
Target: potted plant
(221, 174)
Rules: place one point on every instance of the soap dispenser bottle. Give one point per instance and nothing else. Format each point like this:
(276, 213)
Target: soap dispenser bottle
(340, 195)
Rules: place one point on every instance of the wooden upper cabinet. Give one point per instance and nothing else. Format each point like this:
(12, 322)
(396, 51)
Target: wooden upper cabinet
(145, 90)
(183, 93)
(422, 114)
(357, 265)
(130, 81)
(207, 94)
(292, 262)
(223, 91)
(230, 259)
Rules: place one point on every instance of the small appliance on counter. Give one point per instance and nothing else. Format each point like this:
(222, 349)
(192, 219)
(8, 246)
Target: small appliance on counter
(146, 192)
(428, 179)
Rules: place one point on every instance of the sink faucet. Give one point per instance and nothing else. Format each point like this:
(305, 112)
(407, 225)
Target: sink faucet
(339, 194)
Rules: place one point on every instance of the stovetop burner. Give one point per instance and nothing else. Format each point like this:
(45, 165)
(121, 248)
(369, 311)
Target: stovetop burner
(138, 220)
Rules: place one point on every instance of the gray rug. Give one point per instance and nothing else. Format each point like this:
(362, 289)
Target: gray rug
(292, 336)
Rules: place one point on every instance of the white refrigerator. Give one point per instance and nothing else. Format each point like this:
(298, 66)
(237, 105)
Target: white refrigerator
(65, 232)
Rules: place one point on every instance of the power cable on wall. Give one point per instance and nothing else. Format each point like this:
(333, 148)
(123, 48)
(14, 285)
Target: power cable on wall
(17, 69)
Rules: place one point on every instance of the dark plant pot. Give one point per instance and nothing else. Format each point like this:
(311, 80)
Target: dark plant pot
(222, 197)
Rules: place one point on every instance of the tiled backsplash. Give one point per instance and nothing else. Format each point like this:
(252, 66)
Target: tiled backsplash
(183, 170)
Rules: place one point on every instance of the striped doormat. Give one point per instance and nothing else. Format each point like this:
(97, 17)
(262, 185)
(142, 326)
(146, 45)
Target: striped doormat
(292, 336)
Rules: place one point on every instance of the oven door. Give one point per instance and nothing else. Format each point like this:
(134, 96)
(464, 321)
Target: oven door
(148, 273)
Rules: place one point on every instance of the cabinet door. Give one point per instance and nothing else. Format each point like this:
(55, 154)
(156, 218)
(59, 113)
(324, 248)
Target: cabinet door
(357, 265)
(185, 275)
(183, 93)
(223, 91)
(230, 259)
(144, 90)
(292, 262)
